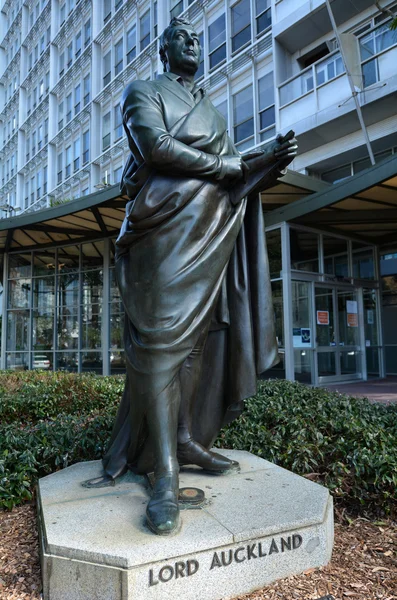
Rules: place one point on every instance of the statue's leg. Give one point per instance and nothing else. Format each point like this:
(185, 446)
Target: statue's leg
(162, 418)
(190, 451)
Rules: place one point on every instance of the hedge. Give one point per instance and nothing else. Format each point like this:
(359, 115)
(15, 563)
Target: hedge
(52, 420)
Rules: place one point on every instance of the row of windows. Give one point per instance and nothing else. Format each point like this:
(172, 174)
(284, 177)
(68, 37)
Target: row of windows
(35, 186)
(9, 167)
(10, 127)
(38, 93)
(74, 101)
(36, 139)
(11, 88)
(112, 127)
(74, 48)
(39, 48)
(75, 156)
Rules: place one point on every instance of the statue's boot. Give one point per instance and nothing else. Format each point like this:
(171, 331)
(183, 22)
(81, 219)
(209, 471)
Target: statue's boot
(193, 453)
(190, 452)
(162, 512)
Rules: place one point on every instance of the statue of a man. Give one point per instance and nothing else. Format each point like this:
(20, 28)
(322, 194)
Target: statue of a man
(192, 271)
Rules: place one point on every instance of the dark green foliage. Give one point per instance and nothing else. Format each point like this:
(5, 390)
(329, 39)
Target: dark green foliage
(350, 444)
(51, 420)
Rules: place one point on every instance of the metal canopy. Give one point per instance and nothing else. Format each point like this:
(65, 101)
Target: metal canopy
(363, 206)
(90, 217)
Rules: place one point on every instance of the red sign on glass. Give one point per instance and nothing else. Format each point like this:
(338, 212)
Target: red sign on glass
(322, 317)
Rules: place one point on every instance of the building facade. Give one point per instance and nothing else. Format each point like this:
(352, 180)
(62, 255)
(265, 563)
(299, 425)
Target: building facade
(327, 71)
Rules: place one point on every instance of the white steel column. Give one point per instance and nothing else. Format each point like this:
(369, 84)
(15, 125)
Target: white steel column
(105, 310)
(287, 303)
(4, 312)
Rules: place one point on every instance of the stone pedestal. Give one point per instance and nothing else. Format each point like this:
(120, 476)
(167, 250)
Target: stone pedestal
(258, 525)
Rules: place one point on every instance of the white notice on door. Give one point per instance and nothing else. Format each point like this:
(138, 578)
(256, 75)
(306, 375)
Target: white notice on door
(351, 306)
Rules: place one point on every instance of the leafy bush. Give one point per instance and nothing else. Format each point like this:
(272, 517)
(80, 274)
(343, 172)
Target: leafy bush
(345, 443)
(51, 420)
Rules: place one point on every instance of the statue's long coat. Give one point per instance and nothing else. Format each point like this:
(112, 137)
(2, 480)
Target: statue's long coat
(186, 256)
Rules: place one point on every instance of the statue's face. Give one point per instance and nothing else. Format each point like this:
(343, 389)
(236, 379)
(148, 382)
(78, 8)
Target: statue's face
(183, 51)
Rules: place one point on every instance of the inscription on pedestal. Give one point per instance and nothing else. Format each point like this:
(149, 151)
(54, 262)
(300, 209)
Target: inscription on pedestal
(224, 558)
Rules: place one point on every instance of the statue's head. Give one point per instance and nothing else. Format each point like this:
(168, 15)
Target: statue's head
(180, 47)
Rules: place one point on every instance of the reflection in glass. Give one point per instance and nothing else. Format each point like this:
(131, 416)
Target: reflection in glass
(349, 362)
(67, 361)
(304, 250)
(363, 261)
(273, 242)
(116, 330)
(92, 286)
(19, 293)
(303, 365)
(68, 330)
(19, 265)
(277, 293)
(42, 330)
(91, 362)
(335, 256)
(326, 364)
(17, 361)
(91, 317)
(348, 318)
(277, 371)
(370, 298)
(42, 360)
(44, 293)
(114, 290)
(68, 290)
(325, 329)
(92, 255)
(18, 330)
(372, 356)
(68, 259)
(117, 362)
(44, 263)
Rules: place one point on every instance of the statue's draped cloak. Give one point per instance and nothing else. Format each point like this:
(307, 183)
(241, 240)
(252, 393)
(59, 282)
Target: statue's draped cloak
(187, 257)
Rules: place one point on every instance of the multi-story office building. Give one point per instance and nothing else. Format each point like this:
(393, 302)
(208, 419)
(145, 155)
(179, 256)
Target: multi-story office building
(325, 69)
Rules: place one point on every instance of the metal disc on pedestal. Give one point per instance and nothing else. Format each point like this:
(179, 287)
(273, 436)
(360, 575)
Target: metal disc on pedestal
(190, 495)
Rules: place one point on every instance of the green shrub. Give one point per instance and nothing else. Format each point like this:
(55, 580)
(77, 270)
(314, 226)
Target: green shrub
(345, 443)
(51, 420)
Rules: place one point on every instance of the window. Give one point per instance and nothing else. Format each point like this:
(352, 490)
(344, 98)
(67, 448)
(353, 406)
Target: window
(145, 30)
(68, 107)
(200, 70)
(86, 147)
(77, 50)
(117, 174)
(107, 66)
(118, 4)
(131, 44)
(33, 143)
(267, 116)
(241, 24)
(41, 89)
(263, 15)
(243, 117)
(62, 14)
(47, 82)
(32, 186)
(76, 154)
(87, 89)
(107, 10)
(39, 137)
(222, 108)
(60, 167)
(69, 55)
(329, 68)
(46, 131)
(118, 57)
(68, 160)
(77, 99)
(177, 8)
(45, 180)
(60, 115)
(87, 33)
(27, 148)
(61, 64)
(38, 183)
(106, 132)
(155, 19)
(118, 120)
(217, 41)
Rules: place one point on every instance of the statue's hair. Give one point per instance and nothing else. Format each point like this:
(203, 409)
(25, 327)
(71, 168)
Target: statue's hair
(166, 36)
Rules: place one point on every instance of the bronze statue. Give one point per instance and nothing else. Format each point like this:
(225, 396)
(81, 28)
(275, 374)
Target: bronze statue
(192, 271)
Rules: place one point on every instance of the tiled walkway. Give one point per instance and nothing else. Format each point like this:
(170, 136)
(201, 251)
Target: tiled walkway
(376, 390)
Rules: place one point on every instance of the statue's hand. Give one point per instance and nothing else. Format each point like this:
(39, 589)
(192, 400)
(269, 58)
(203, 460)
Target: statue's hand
(283, 148)
(232, 168)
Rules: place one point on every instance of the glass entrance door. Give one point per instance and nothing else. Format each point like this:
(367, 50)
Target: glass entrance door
(337, 334)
